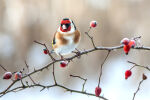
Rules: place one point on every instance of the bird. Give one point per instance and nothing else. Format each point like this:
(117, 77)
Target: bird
(66, 38)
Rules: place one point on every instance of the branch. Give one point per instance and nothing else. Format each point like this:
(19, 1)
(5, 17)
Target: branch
(91, 38)
(27, 65)
(78, 77)
(102, 67)
(3, 68)
(49, 86)
(135, 64)
(136, 38)
(81, 79)
(144, 78)
(69, 58)
(46, 49)
(54, 74)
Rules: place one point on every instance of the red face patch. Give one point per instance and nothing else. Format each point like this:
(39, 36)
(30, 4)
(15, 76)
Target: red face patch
(67, 24)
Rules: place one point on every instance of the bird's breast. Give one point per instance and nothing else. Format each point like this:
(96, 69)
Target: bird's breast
(69, 39)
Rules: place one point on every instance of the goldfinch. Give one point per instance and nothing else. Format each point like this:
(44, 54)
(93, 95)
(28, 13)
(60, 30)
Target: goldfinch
(66, 38)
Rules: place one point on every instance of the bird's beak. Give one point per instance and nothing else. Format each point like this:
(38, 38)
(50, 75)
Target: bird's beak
(64, 27)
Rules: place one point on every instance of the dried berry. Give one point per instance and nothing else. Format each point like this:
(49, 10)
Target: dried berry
(98, 91)
(144, 77)
(7, 75)
(18, 76)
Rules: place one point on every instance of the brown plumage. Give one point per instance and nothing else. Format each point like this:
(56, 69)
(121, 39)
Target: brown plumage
(77, 36)
(67, 38)
(63, 41)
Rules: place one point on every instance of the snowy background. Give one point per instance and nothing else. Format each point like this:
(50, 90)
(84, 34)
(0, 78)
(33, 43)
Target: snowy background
(23, 21)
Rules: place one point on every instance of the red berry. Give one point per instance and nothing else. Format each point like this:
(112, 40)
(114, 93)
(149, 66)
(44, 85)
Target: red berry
(63, 64)
(125, 41)
(126, 49)
(128, 73)
(93, 24)
(45, 51)
(7, 75)
(98, 91)
(132, 43)
(18, 76)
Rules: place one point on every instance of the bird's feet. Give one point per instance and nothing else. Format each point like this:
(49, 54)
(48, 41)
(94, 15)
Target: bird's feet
(62, 57)
(77, 52)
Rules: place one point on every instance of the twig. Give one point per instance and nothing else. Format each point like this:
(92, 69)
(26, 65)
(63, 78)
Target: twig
(87, 33)
(46, 49)
(78, 77)
(4, 92)
(27, 66)
(132, 67)
(139, 65)
(32, 80)
(3, 68)
(81, 79)
(28, 72)
(137, 89)
(136, 38)
(54, 74)
(144, 78)
(22, 83)
(50, 86)
(102, 67)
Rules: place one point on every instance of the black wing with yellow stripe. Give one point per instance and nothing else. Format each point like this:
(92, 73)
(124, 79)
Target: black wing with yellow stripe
(54, 40)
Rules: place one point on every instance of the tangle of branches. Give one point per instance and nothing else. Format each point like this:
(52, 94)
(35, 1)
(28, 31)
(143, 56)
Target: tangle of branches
(25, 85)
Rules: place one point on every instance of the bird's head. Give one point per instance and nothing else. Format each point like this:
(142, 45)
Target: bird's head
(67, 25)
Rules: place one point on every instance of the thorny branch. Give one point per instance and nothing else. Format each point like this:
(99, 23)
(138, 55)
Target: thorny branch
(135, 64)
(3, 68)
(87, 33)
(10, 89)
(50, 86)
(136, 38)
(27, 65)
(132, 67)
(46, 49)
(81, 79)
(144, 78)
(54, 74)
(102, 67)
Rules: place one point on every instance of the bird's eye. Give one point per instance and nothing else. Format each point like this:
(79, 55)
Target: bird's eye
(61, 25)
(67, 25)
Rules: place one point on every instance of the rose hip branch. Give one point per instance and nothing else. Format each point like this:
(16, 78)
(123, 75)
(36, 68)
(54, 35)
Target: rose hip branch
(19, 76)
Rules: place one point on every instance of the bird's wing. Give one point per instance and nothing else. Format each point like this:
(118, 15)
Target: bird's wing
(77, 36)
(54, 39)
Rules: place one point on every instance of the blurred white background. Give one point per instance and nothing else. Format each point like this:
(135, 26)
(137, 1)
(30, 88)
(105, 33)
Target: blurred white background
(23, 21)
